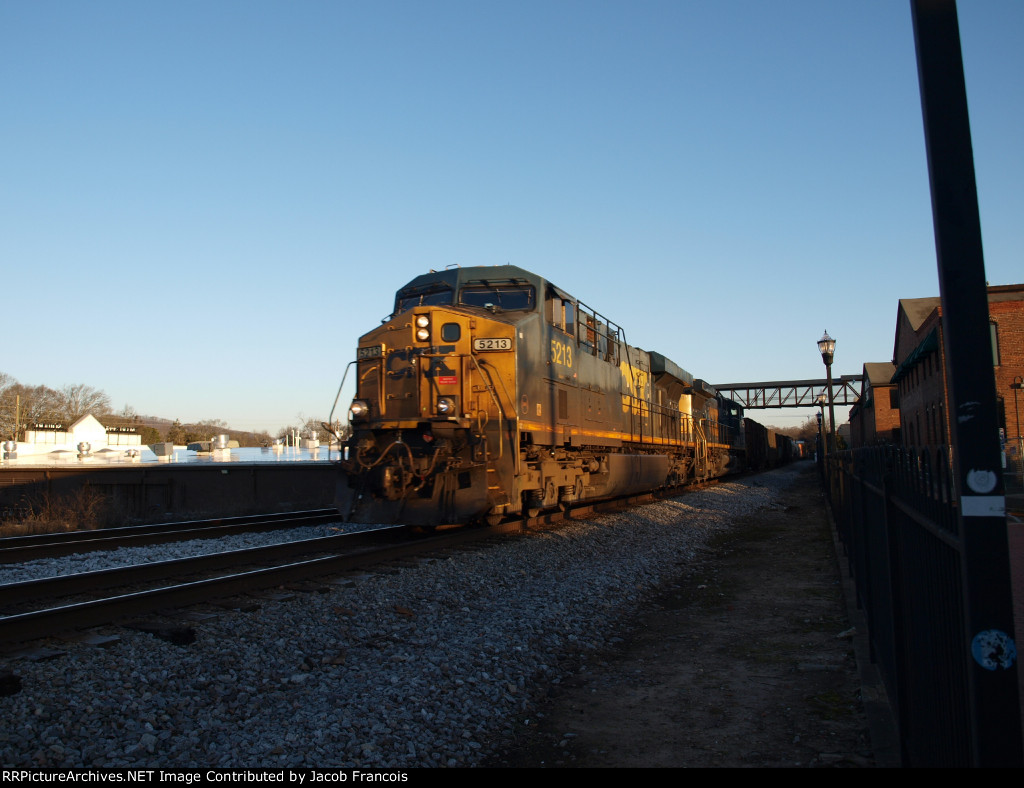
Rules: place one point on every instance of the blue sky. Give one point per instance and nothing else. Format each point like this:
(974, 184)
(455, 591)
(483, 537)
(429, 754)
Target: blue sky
(204, 204)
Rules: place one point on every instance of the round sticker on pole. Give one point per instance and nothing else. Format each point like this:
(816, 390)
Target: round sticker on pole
(994, 649)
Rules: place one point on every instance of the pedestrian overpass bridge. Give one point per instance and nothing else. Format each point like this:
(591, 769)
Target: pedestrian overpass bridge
(792, 393)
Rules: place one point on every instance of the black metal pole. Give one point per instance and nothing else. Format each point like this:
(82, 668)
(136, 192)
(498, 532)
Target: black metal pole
(833, 441)
(996, 726)
(821, 449)
(822, 428)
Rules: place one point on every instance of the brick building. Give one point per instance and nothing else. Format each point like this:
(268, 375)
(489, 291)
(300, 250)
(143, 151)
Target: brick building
(875, 418)
(920, 376)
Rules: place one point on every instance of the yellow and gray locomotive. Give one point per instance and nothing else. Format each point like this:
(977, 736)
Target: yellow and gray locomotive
(489, 392)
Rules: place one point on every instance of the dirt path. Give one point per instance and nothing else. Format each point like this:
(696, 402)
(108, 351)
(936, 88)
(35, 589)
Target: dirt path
(747, 659)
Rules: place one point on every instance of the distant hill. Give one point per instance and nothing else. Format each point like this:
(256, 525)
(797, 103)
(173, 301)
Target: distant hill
(156, 429)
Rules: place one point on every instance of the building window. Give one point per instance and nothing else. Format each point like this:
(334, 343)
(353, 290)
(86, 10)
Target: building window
(994, 331)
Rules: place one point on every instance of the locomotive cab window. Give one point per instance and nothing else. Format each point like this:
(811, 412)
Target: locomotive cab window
(431, 295)
(555, 311)
(507, 298)
(561, 313)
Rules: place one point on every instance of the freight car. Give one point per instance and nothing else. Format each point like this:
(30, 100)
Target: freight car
(766, 448)
(490, 391)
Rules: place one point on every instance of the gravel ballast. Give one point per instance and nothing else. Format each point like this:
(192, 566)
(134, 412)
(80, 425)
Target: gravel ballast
(424, 666)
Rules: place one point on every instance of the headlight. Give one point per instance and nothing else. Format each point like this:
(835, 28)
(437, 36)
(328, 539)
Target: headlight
(422, 327)
(446, 406)
(359, 409)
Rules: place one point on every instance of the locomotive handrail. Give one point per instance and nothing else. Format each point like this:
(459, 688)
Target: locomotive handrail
(671, 420)
(516, 458)
(337, 396)
(497, 401)
(700, 448)
(377, 366)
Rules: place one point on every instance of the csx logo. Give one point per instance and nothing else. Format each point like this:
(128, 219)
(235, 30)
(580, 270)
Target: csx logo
(400, 363)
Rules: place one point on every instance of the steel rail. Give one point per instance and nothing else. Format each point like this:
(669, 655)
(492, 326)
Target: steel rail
(16, 549)
(23, 627)
(12, 594)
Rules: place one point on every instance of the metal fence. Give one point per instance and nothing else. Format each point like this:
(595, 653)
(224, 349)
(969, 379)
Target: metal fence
(895, 512)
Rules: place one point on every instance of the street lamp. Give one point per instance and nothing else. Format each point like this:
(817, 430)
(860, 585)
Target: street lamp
(827, 347)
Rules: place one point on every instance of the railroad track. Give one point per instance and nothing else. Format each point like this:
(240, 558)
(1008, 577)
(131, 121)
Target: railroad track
(15, 549)
(146, 588)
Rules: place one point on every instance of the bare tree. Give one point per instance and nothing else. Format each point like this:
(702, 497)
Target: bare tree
(8, 407)
(24, 405)
(126, 417)
(311, 427)
(128, 413)
(80, 400)
(204, 430)
(212, 426)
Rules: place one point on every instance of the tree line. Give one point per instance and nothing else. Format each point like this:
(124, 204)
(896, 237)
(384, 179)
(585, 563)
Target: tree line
(23, 406)
(807, 432)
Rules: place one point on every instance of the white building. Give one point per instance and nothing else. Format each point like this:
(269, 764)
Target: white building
(48, 438)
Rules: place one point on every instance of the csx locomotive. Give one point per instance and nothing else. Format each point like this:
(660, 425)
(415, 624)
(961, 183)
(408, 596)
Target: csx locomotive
(490, 391)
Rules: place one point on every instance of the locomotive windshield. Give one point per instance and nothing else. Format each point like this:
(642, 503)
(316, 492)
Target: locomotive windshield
(431, 295)
(504, 297)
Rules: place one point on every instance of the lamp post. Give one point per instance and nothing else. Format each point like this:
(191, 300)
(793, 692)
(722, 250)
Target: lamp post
(820, 400)
(820, 453)
(827, 347)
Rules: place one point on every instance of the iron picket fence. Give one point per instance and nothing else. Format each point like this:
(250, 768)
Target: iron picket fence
(895, 514)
